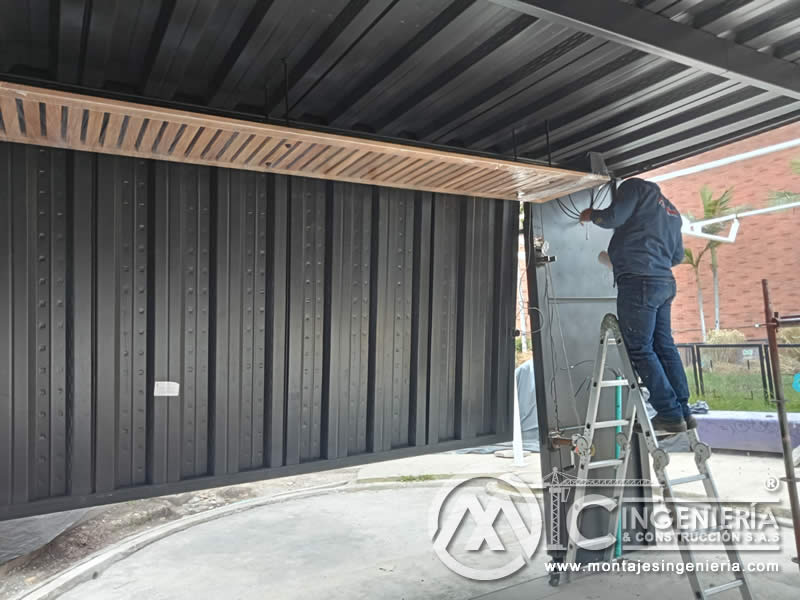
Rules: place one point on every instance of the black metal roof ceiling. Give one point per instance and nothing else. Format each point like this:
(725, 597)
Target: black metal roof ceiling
(485, 75)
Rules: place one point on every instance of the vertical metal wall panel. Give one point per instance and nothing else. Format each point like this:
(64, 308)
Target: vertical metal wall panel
(241, 301)
(421, 319)
(246, 234)
(134, 449)
(394, 275)
(304, 320)
(41, 258)
(187, 287)
(107, 348)
(447, 247)
(122, 304)
(57, 304)
(81, 312)
(259, 286)
(33, 300)
(351, 265)
(181, 337)
(476, 297)
(158, 407)
(6, 327)
(306, 310)
(277, 304)
(23, 349)
(220, 411)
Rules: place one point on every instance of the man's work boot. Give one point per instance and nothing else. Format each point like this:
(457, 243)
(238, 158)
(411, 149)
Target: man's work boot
(691, 422)
(664, 427)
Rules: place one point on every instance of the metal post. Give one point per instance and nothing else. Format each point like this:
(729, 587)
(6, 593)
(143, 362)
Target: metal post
(772, 324)
(768, 364)
(762, 365)
(700, 371)
(694, 369)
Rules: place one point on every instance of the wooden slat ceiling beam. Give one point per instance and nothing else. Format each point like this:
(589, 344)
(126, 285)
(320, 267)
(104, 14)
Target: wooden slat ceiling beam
(63, 120)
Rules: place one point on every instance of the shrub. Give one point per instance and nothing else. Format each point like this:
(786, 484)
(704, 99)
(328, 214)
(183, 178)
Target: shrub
(726, 336)
(790, 357)
(789, 335)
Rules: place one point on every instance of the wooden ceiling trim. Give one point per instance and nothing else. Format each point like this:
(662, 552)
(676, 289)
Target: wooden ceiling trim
(65, 120)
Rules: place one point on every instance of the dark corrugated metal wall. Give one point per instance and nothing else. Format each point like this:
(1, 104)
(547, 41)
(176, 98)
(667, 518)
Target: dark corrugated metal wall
(305, 320)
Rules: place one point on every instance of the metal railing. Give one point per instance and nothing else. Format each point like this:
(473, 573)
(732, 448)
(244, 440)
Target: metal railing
(739, 370)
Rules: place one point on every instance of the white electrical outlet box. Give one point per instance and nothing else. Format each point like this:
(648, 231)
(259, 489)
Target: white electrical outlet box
(167, 388)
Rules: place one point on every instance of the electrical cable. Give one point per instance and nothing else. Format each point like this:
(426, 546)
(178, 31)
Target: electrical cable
(608, 187)
(541, 319)
(575, 208)
(573, 215)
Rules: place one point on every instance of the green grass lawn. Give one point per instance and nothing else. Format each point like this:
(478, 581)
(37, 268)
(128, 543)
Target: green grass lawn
(740, 391)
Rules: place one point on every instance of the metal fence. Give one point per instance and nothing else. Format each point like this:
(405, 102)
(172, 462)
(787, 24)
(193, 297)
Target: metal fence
(739, 374)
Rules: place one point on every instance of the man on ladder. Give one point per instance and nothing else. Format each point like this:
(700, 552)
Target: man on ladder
(645, 246)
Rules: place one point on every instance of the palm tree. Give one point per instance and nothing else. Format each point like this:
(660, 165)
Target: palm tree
(713, 208)
(690, 259)
(784, 196)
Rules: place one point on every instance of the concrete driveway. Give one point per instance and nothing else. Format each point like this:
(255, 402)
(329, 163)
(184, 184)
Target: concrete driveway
(369, 543)
(365, 544)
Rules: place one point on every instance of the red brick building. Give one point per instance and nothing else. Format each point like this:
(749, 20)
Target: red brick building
(766, 245)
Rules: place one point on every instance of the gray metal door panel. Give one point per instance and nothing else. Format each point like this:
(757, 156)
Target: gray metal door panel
(570, 298)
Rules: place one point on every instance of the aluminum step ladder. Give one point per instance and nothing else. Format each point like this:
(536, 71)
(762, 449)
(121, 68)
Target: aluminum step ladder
(610, 335)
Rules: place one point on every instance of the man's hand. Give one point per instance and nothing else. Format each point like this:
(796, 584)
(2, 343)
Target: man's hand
(586, 215)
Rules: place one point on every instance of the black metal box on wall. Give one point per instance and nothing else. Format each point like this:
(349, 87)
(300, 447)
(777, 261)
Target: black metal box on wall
(310, 324)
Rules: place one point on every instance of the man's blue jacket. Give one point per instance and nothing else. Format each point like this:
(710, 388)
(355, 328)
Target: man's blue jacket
(647, 231)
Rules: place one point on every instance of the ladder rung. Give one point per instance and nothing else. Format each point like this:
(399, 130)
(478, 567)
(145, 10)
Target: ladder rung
(614, 383)
(723, 588)
(599, 464)
(689, 479)
(606, 424)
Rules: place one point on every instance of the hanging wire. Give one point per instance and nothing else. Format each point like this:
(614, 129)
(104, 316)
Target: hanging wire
(606, 196)
(574, 207)
(541, 318)
(571, 212)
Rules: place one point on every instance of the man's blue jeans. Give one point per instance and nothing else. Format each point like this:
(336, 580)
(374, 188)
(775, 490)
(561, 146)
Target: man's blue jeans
(644, 310)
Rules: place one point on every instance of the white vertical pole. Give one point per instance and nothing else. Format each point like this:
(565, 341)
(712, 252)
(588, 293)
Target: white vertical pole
(519, 458)
(521, 312)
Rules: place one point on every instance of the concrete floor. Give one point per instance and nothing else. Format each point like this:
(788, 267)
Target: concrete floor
(354, 544)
